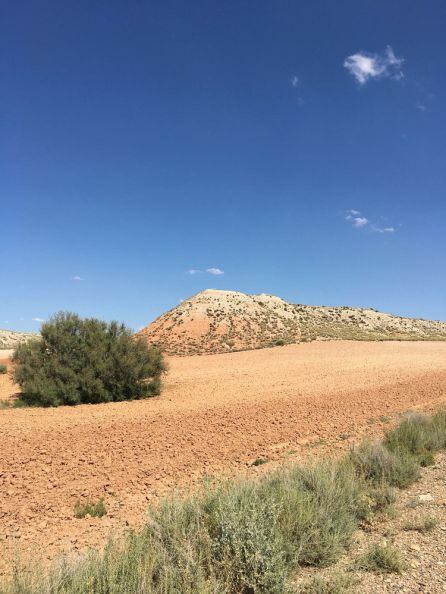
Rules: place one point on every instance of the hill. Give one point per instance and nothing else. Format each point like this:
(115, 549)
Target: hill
(215, 321)
(10, 339)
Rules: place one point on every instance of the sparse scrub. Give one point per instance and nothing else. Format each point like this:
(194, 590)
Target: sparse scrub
(382, 498)
(339, 583)
(421, 525)
(3, 369)
(381, 559)
(415, 436)
(259, 462)
(90, 508)
(378, 465)
(86, 361)
(249, 536)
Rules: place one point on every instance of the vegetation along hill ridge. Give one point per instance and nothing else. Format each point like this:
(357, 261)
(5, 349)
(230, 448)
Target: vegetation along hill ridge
(216, 321)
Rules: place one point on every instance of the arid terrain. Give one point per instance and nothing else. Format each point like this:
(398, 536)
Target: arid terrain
(217, 415)
(215, 321)
(10, 339)
(422, 551)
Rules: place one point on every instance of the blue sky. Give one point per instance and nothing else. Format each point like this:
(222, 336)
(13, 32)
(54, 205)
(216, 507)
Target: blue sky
(293, 148)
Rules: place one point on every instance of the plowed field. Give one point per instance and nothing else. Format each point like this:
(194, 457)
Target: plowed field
(216, 415)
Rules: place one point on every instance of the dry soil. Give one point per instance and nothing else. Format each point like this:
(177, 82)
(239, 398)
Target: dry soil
(217, 414)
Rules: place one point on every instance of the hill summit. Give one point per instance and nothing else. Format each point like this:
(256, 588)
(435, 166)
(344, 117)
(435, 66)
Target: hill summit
(215, 321)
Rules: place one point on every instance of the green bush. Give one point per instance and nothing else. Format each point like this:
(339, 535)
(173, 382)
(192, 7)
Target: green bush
(3, 368)
(375, 463)
(381, 559)
(247, 544)
(319, 509)
(86, 361)
(416, 435)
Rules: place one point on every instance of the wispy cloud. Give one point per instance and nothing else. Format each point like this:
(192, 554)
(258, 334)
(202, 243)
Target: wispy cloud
(214, 271)
(40, 320)
(383, 229)
(365, 66)
(77, 278)
(357, 220)
(295, 83)
(421, 107)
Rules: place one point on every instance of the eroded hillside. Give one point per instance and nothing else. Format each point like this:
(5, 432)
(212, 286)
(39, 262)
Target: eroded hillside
(10, 339)
(216, 321)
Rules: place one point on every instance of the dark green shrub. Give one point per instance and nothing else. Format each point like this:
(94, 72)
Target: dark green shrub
(3, 368)
(86, 361)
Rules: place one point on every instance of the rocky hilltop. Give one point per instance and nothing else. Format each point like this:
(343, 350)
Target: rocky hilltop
(216, 321)
(10, 339)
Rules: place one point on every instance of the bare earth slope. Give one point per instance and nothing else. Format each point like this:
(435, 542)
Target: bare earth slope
(216, 321)
(10, 339)
(217, 414)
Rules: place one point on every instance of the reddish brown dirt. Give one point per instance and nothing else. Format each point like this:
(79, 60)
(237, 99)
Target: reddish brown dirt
(216, 415)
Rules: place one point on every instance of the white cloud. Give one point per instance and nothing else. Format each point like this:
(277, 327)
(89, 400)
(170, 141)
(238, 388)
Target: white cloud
(383, 229)
(294, 81)
(365, 66)
(77, 278)
(360, 222)
(214, 271)
(351, 214)
(38, 320)
(421, 107)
